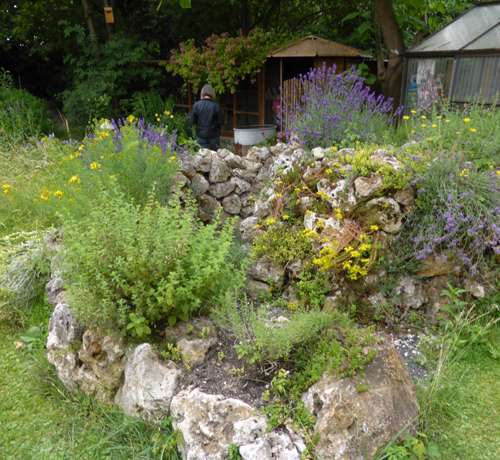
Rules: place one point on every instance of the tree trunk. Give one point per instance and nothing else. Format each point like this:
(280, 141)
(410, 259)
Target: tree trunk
(90, 23)
(390, 78)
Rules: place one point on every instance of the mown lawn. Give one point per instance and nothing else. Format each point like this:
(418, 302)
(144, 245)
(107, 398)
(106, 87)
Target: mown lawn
(468, 424)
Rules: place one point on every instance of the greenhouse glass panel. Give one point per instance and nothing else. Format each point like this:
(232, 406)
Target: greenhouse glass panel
(427, 82)
(477, 78)
(490, 40)
(462, 31)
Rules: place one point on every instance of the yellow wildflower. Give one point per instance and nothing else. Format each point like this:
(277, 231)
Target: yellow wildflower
(171, 116)
(280, 182)
(82, 147)
(59, 194)
(270, 221)
(466, 120)
(305, 187)
(406, 117)
(446, 121)
(472, 130)
(374, 228)
(285, 217)
(308, 212)
(328, 171)
(434, 126)
(94, 165)
(334, 149)
(423, 126)
(279, 195)
(73, 179)
(297, 190)
(423, 117)
(256, 226)
(413, 111)
(312, 164)
(439, 117)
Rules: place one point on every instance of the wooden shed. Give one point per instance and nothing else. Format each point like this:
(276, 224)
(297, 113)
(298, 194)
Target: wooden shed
(258, 103)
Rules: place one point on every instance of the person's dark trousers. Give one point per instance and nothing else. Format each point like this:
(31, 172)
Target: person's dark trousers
(212, 143)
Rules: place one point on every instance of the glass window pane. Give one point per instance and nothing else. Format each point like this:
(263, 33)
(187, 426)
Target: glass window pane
(462, 31)
(427, 82)
(477, 78)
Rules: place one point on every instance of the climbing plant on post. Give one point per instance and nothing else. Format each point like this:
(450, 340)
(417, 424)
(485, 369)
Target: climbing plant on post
(223, 62)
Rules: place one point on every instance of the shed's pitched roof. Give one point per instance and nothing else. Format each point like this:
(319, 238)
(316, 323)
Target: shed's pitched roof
(312, 46)
(476, 30)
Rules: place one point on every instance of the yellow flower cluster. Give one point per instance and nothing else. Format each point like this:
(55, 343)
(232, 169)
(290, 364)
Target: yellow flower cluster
(75, 179)
(338, 214)
(6, 189)
(308, 233)
(270, 221)
(94, 165)
(323, 195)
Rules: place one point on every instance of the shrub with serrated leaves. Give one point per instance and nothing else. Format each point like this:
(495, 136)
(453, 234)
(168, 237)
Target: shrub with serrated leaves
(157, 262)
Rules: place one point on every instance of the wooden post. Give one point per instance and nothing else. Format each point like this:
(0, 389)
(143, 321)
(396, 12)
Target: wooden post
(262, 102)
(235, 109)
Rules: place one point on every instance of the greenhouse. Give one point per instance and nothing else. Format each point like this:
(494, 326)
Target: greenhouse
(459, 63)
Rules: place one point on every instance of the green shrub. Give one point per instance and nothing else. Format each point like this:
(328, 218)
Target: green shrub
(22, 115)
(157, 262)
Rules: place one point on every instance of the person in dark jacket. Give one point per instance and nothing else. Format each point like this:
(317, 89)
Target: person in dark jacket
(208, 118)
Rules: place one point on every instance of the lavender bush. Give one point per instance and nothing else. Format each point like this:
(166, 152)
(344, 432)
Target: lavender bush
(337, 109)
(459, 212)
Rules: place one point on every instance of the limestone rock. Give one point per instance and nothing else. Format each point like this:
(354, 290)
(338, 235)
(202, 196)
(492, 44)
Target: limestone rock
(264, 270)
(202, 163)
(258, 154)
(437, 265)
(474, 288)
(384, 156)
(187, 166)
(255, 287)
(241, 186)
(64, 325)
(235, 161)
(252, 166)
(221, 189)
(405, 197)
(388, 214)
(368, 186)
(263, 209)
(102, 355)
(248, 230)
(231, 204)
(433, 290)
(199, 185)
(54, 287)
(247, 431)
(194, 351)
(224, 153)
(219, 171)
(149, 383)
(318, 153)
(96, 369)
(207, 423)
(209, 204)
(380, 412)
(179, 180)
(339, 194)
(411, 292)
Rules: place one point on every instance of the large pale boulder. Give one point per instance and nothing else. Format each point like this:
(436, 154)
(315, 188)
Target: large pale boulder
(411, 292)
(249, 228)
(387, 214)
(231, 204)
(219, 171)
(149, 383)
(349, 420)
(340, 194)
(264, 270)
(207, 423)
(199, 185)
(95, 369)
(368, 186)
(221, 189)
(64, 325)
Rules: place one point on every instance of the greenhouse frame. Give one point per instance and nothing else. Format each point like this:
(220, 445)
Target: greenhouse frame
(459, 63)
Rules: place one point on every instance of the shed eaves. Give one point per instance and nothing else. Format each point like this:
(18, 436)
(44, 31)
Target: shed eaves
(312, 46)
